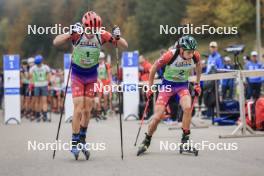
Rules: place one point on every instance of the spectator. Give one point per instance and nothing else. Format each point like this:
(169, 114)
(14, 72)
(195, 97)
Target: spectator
(105, 78)
(200, 100)
(214, 62)
(40, 77)
(246, 59)
(214, 59)
(161, 70)
(254, 83)
(228, 84)
(144, 68)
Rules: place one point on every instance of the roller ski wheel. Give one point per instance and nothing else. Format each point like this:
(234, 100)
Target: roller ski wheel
(188, 150)
(144, 145)
(38, 120)
(185, 147)
(75, 153)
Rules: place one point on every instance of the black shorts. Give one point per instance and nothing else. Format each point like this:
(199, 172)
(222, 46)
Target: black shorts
(56, 93)
(24, 90)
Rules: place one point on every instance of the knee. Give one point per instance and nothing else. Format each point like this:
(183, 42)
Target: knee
(88, 105)
(78, 108)
(86, 111)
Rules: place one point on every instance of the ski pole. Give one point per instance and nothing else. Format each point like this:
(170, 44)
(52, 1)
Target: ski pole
(64, 98)
(142, 119)
(119, 105)
(51, 105)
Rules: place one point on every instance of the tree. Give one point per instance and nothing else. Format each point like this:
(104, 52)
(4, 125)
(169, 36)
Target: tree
(150, 15)
(201, 12)
(18, 32)
(234, 13)
(3, 37)
(131, 32)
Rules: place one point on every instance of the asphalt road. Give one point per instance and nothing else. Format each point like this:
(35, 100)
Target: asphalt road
(17, 160)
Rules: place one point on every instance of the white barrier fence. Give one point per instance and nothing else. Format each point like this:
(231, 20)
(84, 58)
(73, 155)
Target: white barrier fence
(239, 75)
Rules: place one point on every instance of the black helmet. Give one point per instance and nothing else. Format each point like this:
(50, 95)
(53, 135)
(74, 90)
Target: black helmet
(187, 43)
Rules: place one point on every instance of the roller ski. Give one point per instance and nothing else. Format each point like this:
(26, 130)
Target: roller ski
(185, 145)
(144, 145)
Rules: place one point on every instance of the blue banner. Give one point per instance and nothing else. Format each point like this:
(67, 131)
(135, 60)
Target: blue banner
(11, 62)
(12, 91)
(130, 59)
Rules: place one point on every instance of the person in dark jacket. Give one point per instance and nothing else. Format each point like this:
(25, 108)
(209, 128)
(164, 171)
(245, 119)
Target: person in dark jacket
(228, 84)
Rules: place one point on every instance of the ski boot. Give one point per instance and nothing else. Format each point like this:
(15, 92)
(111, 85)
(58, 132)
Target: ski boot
(37, 117)
(185, 144)
(100, 114)
(85, 151)
(144, 145)
(75, 148)
(75, 151)
(110, 112)
(44, 116)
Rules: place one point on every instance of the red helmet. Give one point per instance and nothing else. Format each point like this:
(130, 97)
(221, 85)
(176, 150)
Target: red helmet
(92, 20)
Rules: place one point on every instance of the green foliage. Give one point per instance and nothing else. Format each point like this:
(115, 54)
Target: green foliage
(150, 15)
(139, 20)
(234, 13)
(237, 13)
(201, 12)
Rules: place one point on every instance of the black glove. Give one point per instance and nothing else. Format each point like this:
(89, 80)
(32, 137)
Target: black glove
(116, 33)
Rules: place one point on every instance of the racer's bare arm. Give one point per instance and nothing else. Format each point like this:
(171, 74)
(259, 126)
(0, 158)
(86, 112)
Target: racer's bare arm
(61, 39)
(198, 68)
(152, 73)
(122, 43)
